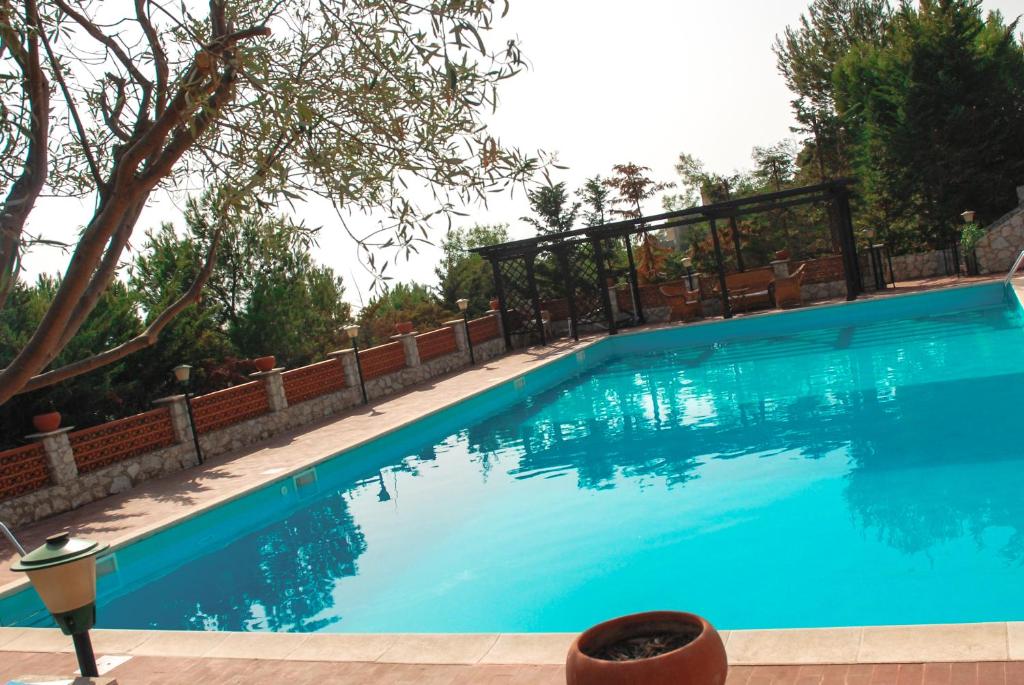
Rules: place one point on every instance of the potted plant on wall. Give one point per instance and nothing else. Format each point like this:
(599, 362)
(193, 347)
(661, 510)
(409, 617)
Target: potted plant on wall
(264, 364)
(47, 419)
(653, 648)
(403, 327)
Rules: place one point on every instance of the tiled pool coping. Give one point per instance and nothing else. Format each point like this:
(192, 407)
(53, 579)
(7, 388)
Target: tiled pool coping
(964, 642)
(882, 644)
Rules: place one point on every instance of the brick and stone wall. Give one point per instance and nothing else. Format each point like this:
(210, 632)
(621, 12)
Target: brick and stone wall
(64, 470)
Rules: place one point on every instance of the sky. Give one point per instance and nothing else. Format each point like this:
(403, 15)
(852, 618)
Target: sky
(639, 81)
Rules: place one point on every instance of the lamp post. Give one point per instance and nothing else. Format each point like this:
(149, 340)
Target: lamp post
(688, 265)
(63, 572)
(968, 217)
(463, 304)
(183, 374)
(353, 334)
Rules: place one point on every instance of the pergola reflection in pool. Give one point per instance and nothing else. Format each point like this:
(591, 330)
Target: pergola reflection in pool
(576, 271)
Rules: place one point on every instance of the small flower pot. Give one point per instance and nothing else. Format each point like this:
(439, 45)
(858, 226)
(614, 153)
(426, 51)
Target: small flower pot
(264, 364)
(782, 254)
(403, 327)
(495, 305)
(638, 649)
(46, 423)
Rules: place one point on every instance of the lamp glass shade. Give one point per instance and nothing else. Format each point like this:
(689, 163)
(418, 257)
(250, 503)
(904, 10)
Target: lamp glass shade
(463, 304)
(968, 216)
(182, 372)
(63, 572)
(352, 331)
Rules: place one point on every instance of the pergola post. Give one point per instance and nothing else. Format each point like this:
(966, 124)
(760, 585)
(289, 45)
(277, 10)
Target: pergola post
(722, 283)
(535, 296)
(634, 282)
(499, 291)
(561, 254)
(736, 240)
(602, 277)
(851, 266)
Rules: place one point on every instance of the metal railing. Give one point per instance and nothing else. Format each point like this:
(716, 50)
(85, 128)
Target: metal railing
(1013, 269)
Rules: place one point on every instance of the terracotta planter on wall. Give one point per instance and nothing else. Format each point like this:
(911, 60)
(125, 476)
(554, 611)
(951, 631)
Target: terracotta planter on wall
(46, 423)
(495, 305)
(782, 254)
(264, 364)
(403, 327)
(701, 661)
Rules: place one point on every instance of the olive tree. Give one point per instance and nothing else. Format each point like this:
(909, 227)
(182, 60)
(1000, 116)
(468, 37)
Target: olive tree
(369, 104)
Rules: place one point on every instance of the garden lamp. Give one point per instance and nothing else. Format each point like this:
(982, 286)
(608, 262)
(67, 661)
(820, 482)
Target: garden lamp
(688, 265)
(463, 305)
(183, 374)
(352, 331)
(968, 216)
(63, 572)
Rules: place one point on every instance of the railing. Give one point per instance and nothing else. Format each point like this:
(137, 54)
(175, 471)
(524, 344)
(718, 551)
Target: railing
(1013, 269)
(116, 441)
(307, 382)
(22, 470)
(436, 343)
(227, 407)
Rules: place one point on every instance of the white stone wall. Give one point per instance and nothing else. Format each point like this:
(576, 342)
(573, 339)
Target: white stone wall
(908, 267)
(88, 487)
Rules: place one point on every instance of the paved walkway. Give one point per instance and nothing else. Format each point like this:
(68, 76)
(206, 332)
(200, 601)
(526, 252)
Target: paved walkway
(178, 671)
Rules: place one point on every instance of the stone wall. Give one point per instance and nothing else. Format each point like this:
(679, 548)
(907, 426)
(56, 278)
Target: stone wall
(907, 267)
(69, 489)
(1002, 242)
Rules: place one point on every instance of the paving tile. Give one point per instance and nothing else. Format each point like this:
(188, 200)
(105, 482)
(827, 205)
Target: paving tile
(962, 642)
(117, 641)
(41, 640)
(937, 674)
(911, 674)
(818, 646)
(342, 647)
(1015, 641)
(1015, 673)
(439, 649)
(992, 673)
(885, 674)
(963, 674)
(530, 648)
(258, 645)
(180, 643)
(7, 635)
(738, 675)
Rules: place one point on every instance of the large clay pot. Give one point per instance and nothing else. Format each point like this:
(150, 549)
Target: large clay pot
(700, 662)
(495, 304)
(46, 423)
(403, 327)
(782, 255)
(264, 364)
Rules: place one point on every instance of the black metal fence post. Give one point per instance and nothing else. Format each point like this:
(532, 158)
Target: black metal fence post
(535, 296)
(602, 277)
(634, 282)
(499, 290)
(851, 265)
(570, 290)
(722, 282)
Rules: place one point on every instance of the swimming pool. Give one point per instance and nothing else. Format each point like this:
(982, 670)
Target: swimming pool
(846, 465)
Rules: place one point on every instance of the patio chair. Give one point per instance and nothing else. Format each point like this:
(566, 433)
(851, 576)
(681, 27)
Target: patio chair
(684, 304)
(788, 290)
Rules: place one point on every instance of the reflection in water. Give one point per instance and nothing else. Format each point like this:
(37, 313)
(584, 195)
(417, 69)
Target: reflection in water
(820, 459)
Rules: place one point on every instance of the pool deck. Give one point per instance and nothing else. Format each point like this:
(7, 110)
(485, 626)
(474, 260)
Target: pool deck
(988, 651)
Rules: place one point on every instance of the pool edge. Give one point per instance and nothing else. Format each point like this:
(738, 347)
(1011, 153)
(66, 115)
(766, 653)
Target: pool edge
(929, 643)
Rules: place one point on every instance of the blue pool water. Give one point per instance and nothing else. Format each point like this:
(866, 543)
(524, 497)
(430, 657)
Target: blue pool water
(847, 466)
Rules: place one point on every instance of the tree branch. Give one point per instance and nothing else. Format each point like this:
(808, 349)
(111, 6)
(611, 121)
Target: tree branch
(159, 56)
(22, 196)
(147, 338)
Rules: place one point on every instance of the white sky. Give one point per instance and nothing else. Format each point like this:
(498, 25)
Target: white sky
(624, 82)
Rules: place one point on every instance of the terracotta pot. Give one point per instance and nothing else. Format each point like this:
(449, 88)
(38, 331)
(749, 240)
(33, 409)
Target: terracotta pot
(782, 254)
(701, 662)
(46, 423)
(403, 327)
(495, 305)
(264, 364)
